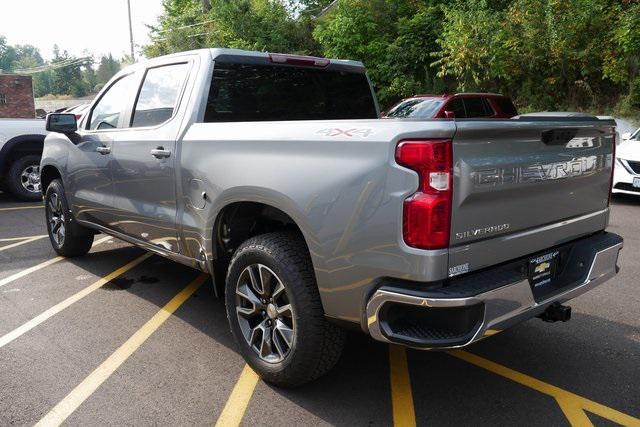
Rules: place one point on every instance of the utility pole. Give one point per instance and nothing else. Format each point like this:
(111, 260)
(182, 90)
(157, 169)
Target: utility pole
(133, 58)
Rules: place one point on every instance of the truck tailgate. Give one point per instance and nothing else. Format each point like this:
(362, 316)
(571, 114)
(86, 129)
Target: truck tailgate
(525, 185)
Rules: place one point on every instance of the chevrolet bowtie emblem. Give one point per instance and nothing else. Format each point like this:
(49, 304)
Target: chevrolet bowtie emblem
(542, 267)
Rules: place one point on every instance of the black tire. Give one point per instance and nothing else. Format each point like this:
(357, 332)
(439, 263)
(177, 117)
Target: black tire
(317, 344)
(14, 179)
(76, 240)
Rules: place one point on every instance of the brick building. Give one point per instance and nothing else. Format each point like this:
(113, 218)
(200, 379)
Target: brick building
(16, 97)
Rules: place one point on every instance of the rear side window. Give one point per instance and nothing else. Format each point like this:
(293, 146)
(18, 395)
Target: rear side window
(506, 106)
(477, 107)
(159, 95)
(457, 107)
(249, 92)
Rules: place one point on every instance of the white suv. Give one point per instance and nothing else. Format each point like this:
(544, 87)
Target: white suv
(626, 174)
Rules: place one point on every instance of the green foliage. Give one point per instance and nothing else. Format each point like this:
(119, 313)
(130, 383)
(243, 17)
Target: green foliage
(547, 54)
(394, 39)
(243, 24)
(78, 79)
(107, 68)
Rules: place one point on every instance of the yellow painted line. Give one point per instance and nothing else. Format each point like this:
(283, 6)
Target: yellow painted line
(15, 239)
(40, 266)
(401, 395)
(239, 398)
(574, 413)
(17, 208)
(571, 404)
(27, 240)
(89, 385)
(26, 327)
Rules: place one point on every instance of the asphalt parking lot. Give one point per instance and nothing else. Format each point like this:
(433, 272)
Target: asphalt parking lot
(120, 337)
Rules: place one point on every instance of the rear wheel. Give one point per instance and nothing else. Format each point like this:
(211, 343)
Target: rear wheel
(67, 238)
(23, 179)
(275, 313)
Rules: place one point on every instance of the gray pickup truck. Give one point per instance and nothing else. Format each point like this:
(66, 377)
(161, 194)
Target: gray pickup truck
(274, 174)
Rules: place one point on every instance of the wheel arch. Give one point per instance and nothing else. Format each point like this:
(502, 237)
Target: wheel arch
(47, 174)
(240, 220)
(25, 144)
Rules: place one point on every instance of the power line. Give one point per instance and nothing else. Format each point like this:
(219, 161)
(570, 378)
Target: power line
(185, 26)
(54, 66)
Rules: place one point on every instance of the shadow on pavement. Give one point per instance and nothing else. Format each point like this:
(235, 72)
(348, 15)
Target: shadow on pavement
(590, 356)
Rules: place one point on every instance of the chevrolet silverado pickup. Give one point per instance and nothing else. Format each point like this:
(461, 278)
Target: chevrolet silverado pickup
(20, 149)
(275, 174)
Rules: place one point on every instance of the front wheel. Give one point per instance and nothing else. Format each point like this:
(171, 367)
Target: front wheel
(23, 179)
(275, 313)
(67, 238)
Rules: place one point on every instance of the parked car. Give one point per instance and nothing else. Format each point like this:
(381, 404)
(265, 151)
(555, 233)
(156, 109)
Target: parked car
(274, 174)
(20, 150)
(634, 136)
(459, 105)
(78, 110)
(626, 176)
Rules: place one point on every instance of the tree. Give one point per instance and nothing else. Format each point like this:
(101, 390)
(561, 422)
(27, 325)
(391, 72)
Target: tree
(107, 68)
(394, 39)
(547, 54)
(245, 24)
(67, 78)
(7, 55)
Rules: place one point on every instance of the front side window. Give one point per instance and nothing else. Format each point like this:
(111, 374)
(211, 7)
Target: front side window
(159, 95)
(107, 112)
(249, 92)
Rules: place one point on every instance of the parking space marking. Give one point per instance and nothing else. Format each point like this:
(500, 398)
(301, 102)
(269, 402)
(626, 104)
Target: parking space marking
(42, 265)
(239, 398)
(26, 327)
(17, 208)
(15, 239)
(401, 395)
(571, 404)
(89, 385)
(22, 242)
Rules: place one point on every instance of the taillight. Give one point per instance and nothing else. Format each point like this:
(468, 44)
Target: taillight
(427, 213)
(306, 61)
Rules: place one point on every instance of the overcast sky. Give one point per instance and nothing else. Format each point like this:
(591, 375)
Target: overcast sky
(99, 26)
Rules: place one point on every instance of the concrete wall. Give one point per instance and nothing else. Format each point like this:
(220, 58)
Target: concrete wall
(16, 97)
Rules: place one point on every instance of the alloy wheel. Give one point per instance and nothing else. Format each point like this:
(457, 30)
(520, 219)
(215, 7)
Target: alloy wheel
(55, 219)
(30, 178)
(264, 313)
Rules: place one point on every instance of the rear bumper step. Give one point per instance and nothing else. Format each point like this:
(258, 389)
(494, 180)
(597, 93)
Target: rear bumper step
(454, 316)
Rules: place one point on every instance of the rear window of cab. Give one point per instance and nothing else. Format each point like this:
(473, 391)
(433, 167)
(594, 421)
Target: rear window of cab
(253, 92)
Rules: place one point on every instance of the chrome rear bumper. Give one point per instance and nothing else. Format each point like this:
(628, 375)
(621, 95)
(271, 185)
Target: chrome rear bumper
(498, 308)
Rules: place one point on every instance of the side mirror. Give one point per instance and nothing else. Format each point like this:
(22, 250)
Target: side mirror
(626, 135)
(62, 123)
(449, 114)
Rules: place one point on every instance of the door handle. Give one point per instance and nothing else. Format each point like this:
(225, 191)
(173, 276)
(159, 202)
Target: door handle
(160, 153)
(103, 149)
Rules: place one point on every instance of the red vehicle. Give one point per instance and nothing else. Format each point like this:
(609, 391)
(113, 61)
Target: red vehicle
(459, 105)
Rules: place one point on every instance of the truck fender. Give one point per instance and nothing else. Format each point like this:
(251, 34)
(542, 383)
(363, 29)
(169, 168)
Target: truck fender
(35, 141)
